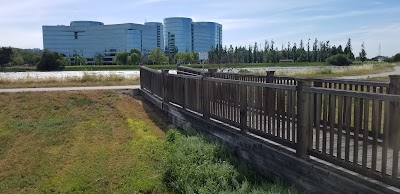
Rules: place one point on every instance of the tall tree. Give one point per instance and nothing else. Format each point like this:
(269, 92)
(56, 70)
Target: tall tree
(5, 56)
(135, 57)
(363, 54)
(51, 61)
(157, 57)
(308, 51)
(348, 50)
(121, 58)
(80, 60)
(294, 52)
(98, 59)
(315, 50)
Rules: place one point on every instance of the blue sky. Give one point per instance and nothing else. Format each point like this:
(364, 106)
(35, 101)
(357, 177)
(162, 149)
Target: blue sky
(244, 22)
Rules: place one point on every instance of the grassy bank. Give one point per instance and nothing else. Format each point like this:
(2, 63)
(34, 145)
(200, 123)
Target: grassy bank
(198, 164)
(365, 69)
(86, 142)
(108, 142)
(86, 80)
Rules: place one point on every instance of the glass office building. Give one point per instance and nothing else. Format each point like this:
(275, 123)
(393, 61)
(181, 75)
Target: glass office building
(183, 35)
(206, 35)
(91, 38)
(178, 34)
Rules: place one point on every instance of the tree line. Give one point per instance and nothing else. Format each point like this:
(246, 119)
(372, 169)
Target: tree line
(17, 57)
(316, 51)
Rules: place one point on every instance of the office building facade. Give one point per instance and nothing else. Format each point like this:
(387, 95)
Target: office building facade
(183, 35)
(91, 38)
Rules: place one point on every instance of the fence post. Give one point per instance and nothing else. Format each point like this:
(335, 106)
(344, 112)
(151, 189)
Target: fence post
(164, 74)
(243, 107)
(212, 72)
(270, 74)
(205, 93)
(270, 99)
(141, 78)
(394, 112)
(303, 121)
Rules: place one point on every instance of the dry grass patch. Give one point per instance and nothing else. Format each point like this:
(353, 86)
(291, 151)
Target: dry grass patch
(329, 72)
(337, 72)
(91, 142)
(86, 80)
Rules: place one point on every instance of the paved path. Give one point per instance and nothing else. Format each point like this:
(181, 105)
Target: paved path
(395, 72)
(69, 89)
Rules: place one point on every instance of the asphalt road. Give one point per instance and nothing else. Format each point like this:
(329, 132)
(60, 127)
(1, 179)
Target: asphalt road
(69, 89)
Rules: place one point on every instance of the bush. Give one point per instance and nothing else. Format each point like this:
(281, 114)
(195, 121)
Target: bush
(396, 57)
(196, 164)
(51, 61)
(339, 60)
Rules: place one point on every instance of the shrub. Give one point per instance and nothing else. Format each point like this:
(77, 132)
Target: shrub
(51, 61)
(339, 60)
(396, 57)
(195, 164)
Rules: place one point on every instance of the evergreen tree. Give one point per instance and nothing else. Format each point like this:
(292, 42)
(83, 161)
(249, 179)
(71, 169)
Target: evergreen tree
(363, 54)
(308, 51)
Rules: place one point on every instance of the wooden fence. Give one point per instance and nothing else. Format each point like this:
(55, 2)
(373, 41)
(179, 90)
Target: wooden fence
(354, 128)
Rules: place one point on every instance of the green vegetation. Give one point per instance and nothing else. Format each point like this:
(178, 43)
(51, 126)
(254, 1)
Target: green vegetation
(197, 164)
(135, 57)
(51, 61)
(80, 142)
(121, 58)
(339, 60)
(98, 59)
(363, 54)
(108, 142)
(186, 58)
(269, 53)
(394, 58)
(157, 56)
(5, 56)
(18, 69)
(132, 58)
(10, 57)
(80, 60)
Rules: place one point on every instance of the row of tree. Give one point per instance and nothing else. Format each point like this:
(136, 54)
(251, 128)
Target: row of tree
(157, 56)
(14, 56)
(318, 51)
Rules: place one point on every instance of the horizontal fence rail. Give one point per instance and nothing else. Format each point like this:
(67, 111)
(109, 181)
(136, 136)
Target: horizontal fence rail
(353, 127)
(190, 71)
(353, 85)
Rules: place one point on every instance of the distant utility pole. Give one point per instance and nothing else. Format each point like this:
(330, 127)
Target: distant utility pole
(379, 51)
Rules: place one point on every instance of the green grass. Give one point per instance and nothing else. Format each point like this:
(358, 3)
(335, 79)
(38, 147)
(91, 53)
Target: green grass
(18, 69)
(108, 142)
(80, 142)
(199, 164)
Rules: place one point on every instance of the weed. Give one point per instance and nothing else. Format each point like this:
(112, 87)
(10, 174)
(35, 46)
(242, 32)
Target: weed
(197, 164)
